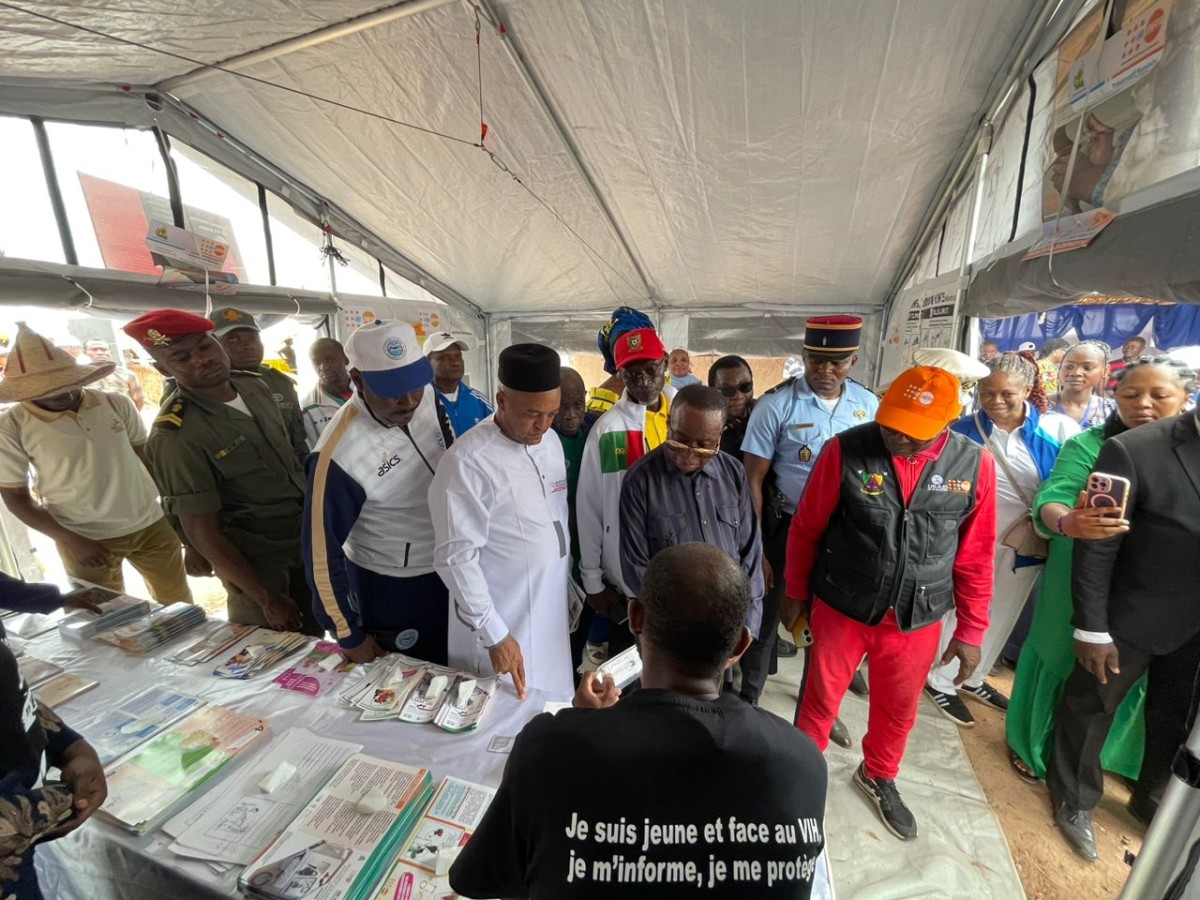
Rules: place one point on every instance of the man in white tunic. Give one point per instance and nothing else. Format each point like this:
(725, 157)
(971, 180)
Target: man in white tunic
(499, 508)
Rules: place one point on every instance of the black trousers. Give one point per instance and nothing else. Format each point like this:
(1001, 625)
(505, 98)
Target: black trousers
(761, 658)
(1086, 712)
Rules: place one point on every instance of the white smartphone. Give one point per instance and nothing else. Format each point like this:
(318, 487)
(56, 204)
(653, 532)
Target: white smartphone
(1106, 491)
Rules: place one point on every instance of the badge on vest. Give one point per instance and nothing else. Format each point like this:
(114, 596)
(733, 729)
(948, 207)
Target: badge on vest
(953, 486)
(860, 414)
(872, 483)
(805, 454)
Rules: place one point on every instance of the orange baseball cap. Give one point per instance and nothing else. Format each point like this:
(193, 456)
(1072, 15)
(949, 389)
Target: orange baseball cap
(920, 403)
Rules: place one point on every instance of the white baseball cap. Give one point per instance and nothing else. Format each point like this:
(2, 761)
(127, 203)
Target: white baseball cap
(1028, 347)
(443, 340)
(965, 368)
(388, 356)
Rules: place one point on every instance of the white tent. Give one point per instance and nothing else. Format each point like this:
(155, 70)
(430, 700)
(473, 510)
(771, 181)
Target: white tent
(711, 160)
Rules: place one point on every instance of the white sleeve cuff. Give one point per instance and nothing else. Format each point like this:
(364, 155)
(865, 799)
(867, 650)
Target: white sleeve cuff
(1093, 637)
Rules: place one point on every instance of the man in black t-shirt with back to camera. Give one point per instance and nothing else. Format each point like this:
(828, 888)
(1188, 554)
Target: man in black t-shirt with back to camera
(710, 797)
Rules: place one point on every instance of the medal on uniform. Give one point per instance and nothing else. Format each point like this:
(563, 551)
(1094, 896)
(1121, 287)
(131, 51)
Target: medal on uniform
(805, 454)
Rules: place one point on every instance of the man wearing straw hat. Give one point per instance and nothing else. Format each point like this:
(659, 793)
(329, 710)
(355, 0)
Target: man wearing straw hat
(86, 450)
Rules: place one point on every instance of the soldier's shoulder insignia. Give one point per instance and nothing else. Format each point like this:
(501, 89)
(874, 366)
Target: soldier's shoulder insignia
(787, 382)
(172, 413)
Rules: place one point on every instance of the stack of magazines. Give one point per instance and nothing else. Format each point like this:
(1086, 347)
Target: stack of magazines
(345, 839)
(221, 637)
(163, 624)
(145, 787)
(118, 611)
(414, 691)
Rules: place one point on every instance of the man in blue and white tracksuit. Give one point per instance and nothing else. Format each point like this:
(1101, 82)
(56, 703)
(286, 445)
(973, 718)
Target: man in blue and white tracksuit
(464, 406)
(368, 537)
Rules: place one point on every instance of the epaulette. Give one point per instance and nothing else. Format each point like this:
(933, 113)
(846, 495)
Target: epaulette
(785, 383)
(171, 415)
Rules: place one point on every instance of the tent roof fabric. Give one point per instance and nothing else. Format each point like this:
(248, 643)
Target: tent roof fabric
(771, 152)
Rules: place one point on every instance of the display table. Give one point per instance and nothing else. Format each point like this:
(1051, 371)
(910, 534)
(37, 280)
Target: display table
(102, 862)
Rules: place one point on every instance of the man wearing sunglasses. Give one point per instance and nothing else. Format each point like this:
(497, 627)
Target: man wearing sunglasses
(786, 431)
(688, 491)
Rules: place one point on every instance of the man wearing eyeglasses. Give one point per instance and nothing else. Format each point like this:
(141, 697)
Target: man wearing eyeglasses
(688, 491)
(787, 429)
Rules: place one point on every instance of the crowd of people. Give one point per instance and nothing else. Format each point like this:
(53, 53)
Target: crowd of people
(395, 509)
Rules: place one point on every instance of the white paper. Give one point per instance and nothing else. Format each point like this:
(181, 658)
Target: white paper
(235, 824)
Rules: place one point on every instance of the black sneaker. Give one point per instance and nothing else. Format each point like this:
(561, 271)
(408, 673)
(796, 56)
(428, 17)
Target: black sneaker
(882, 792)
(950, 706)
(985, 693)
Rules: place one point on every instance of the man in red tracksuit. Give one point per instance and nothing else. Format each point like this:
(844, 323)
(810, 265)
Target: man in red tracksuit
(897, 525)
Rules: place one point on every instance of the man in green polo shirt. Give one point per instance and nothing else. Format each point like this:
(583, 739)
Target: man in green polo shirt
(227, 472)
(239, 334)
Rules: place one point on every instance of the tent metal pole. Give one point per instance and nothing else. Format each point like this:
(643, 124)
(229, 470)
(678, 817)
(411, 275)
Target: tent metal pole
(304, 41)
(52, 188)
(993, 114)
(512, 45)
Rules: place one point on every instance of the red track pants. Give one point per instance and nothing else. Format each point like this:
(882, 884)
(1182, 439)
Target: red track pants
(899, 664)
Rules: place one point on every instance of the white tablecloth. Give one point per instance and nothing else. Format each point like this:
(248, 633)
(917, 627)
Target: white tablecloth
(102, 862)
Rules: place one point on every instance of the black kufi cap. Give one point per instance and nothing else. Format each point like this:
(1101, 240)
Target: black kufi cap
(532, 368)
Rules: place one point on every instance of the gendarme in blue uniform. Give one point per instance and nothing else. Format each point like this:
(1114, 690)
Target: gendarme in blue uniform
(790, 424)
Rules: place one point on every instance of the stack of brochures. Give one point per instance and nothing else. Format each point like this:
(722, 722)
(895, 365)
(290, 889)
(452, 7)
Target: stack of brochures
(414, 691)
(345, 839)
(150, 783)
(135, 719)
(217, 640)
(113, 613)
(420, 871)
(37, 671)
(61, 688)
(261, 651)
(147, 632)
(233, 825)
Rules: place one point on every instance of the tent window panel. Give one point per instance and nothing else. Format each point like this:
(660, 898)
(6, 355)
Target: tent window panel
(222, 205)
(400, 288)
(361, 276)
(114, 184)
(296, 243)
(27, 228)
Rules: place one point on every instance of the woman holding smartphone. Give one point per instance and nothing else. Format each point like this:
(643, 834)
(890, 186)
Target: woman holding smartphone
(1148, 389)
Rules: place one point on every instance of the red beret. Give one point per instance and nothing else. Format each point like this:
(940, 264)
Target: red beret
(163, 327)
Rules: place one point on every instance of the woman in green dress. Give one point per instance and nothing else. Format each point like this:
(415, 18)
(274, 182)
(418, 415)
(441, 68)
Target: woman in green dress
(1149, 389)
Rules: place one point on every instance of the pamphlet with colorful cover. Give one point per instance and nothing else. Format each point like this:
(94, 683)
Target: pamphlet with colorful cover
(135, 719)
(420, 692)
(342, 843)
(215, 642)
(322, 667)
(262, 650)
(420, 871)
(146, 787)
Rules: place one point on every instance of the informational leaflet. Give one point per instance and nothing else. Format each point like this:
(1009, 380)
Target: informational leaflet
(420, 692)
(420, 871)
(144, 788)
(135, 720)
(340, 845)
(219, 639)
(239, 822)
(260, 652)
(322, 667)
